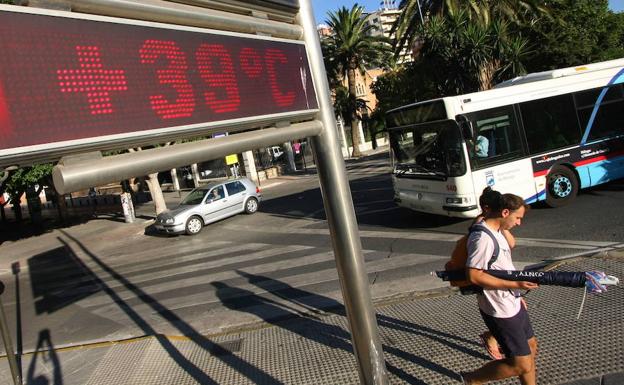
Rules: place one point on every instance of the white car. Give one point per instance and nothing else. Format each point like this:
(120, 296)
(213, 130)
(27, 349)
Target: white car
(210, 203)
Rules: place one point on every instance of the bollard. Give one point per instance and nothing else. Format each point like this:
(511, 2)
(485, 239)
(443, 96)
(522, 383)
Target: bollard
(8, 344)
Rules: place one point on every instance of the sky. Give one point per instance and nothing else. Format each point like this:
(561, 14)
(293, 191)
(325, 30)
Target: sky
(321, 7)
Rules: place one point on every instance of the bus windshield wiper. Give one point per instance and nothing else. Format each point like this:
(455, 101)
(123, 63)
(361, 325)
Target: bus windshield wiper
(414, 168)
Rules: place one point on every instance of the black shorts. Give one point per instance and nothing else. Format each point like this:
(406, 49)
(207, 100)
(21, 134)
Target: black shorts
(512, 334)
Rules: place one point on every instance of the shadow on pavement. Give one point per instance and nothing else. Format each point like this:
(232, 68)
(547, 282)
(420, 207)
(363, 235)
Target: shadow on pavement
(312, 327)
(59, 278)
(15, 268)
(256, 375)
(46, 357)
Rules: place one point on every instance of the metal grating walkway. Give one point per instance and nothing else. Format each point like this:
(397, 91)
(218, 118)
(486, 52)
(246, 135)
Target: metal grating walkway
(426, 341)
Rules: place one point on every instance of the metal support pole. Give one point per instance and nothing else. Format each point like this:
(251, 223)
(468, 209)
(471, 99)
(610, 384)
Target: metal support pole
(341, 219)
(422, 20)
(8, 344)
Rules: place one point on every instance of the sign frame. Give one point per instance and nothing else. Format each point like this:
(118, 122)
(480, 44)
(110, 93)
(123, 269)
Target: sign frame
(51, 151)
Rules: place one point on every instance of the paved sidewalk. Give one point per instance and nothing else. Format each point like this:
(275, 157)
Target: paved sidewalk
(427, 340)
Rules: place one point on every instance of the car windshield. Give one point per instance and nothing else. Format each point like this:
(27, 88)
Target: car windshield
(195, 197)
(429, 150)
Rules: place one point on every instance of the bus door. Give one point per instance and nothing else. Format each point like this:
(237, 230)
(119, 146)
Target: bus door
(497, 154)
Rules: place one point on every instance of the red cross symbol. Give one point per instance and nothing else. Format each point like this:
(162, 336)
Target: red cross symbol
(93, 80)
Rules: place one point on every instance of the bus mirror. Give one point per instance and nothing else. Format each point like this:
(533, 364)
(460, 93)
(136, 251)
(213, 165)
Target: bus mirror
(467, 129)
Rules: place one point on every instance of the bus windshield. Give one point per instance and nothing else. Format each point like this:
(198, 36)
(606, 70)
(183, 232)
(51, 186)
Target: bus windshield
(431, 150)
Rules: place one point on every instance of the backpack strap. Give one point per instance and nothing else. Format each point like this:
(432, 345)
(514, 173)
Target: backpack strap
(484, 229)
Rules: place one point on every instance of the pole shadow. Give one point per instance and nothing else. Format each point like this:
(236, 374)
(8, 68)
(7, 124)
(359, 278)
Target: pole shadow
(15, 268)
(310, 326)
(45, 356)
(316, 303)
(256, 375)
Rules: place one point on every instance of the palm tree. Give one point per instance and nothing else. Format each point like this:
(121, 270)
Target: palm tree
(408, 25)
(468, 56)
(352, 47)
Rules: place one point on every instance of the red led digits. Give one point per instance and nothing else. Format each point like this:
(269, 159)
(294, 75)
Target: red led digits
(250, 62)
(93, 80)
(174, 76)
(217, 70)
(70, 83)
(271, 57)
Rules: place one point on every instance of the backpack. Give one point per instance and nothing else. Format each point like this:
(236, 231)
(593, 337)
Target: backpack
(456, 267)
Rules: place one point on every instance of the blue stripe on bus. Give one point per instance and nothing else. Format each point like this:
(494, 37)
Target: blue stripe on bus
(618, 78)
(537, 197)
(603, 171)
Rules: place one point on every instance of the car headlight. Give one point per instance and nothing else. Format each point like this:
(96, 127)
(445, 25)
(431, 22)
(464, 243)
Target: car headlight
(169, 221)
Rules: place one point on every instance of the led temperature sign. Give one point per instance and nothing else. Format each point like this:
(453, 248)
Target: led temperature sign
(67, 80)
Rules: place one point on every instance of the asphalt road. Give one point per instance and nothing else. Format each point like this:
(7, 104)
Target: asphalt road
(595, 219)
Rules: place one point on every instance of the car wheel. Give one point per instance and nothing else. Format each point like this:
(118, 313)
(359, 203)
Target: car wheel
(194, 225)
(251, 206)
(561, 186)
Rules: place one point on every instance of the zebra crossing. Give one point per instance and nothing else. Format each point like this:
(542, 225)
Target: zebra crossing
(191, 280)
(215, 285)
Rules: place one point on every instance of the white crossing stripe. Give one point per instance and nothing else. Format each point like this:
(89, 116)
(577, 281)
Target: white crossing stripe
(268, 250)
(299, 280)
(427, 236)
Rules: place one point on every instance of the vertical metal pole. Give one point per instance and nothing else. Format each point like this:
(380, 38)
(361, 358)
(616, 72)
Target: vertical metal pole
(422, 20)
(8, 344)
(341, 219)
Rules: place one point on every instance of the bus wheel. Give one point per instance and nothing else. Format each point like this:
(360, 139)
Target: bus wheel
(562, 186)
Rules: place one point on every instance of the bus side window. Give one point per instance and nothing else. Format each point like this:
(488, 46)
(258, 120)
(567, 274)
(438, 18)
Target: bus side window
(496, 136)
(609, 119)
(550, 123)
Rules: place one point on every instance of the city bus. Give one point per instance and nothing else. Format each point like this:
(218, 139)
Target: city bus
(542, 136)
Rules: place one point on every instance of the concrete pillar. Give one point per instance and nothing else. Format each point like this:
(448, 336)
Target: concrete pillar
(250, 166)
(195, 175)
(342, 137)
(174, 179)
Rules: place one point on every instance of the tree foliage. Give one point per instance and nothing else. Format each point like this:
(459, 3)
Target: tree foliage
(344, 107)
(22, 178)
(469, 56)
(408, 84)
(577, 32)
(25, 179)
(408, 26)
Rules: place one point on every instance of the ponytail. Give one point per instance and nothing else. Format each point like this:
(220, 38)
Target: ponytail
(497, 202)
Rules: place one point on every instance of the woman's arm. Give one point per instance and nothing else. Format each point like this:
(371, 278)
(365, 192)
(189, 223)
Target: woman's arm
(487, 281)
